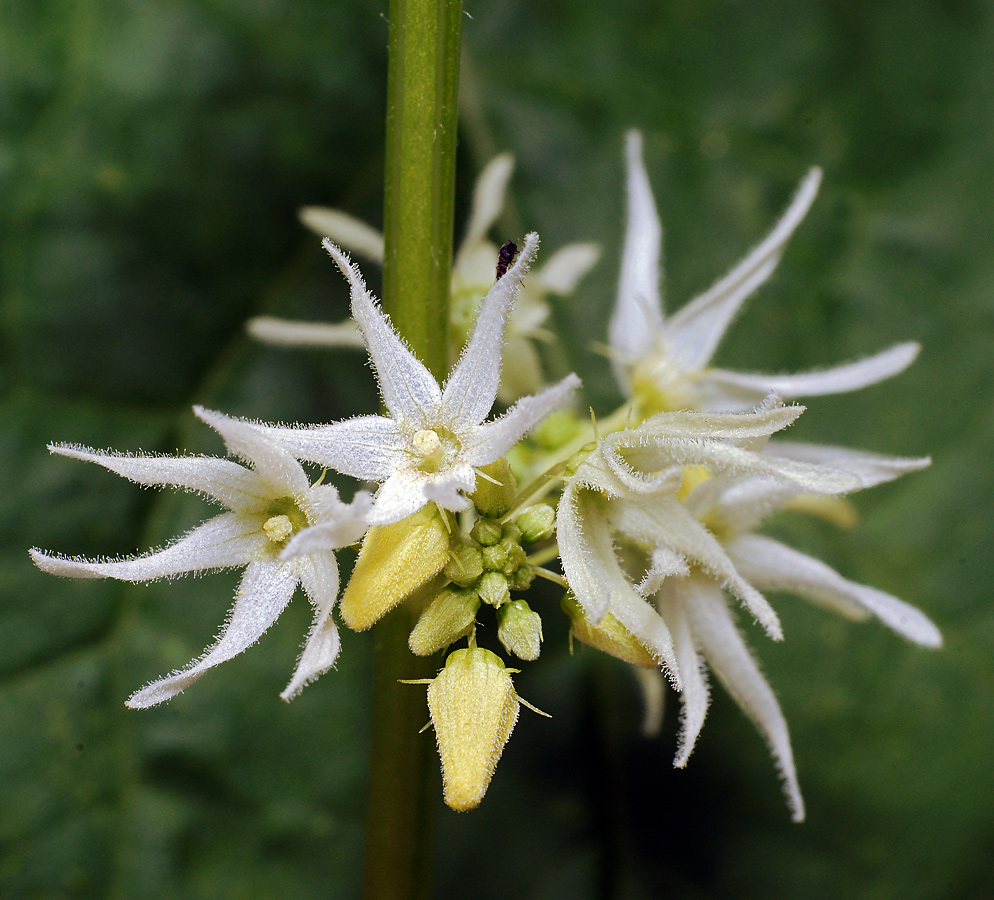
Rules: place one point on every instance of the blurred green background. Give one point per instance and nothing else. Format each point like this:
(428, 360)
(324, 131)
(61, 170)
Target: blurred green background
(153, 154)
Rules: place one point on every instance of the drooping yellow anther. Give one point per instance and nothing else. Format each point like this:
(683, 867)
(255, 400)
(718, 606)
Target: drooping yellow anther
(427, 444)
(473, 708)
(609, 635)
(394, 561)
(278, 528)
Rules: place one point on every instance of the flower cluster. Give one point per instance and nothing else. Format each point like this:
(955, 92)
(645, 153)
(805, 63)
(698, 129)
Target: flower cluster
(652, 511)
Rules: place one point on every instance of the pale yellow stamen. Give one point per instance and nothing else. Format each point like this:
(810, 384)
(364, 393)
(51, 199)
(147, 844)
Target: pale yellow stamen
(278, 528)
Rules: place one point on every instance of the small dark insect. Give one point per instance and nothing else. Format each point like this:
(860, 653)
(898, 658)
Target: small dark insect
(505, 258)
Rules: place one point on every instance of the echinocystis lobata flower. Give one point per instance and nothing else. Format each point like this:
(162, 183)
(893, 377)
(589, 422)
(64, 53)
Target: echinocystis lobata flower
(271, 507)
(663, 363)
(472, 276)
(655, 530)
(435, 439)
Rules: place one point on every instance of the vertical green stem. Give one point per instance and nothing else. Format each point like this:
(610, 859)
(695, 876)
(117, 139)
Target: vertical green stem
(422, 91)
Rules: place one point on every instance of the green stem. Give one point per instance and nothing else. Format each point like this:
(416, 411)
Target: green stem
(419, 189)
(419, 181)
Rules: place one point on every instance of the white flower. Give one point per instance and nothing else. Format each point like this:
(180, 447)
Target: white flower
(472, 276)
(271, 508)
(434, 439)
(703, 626)
(664, 362)
(628, 485)
(626, 538)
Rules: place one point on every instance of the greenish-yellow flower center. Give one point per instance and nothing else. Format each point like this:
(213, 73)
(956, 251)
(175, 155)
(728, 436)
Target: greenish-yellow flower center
(434, 449)
(284, 520)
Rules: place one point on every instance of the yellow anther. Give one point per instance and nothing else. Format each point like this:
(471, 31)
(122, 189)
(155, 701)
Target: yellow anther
(427, 444)
(278, 528)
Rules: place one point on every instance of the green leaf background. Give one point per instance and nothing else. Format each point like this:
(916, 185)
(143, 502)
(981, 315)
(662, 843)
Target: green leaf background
(153, 154)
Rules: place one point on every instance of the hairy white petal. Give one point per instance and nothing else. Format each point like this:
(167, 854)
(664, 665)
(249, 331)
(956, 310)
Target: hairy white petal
(774, 566)
(445, 487)
(493, 439)
(319, 579)
(347, 231)
(337, 525)
(730, 659)
(366, 447)
(224, 541)
(409, 390)
(488, 199)
(836, 380)
(870, 468)
(263, 594)
(562, 272)
(694, 332)
(273, 465)
(472, 386)
(224, 480)
(637, 321)
(290, 333)
(664, 521)
(696, 694)
(400, 496)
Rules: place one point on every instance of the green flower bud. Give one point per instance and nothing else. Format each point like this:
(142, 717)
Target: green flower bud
(464, 566)
(493, 589)
(494, 500)
(486, 532)
(537, 523)
(519, 630)
(512, 532)
(522, 578)
(576, 460)
(494, 558)
(447, 618)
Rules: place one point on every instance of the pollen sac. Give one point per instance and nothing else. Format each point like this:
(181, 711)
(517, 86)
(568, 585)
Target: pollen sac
(494, 500)
(447, 618)
(519, 629)
(609, 635)
(394, 561)
(473, 708)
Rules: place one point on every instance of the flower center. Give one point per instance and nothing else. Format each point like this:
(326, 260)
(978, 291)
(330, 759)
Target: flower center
(284, 520)
(435, 449)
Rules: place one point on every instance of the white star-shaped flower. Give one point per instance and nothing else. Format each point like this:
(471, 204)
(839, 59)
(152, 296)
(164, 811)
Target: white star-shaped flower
(703, 625)
(272, 510)
(664, 362)
(435, 438)
(628, 485)
(472, 275)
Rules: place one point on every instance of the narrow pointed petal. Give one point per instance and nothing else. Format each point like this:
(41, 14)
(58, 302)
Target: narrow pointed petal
(774, 566)
(637, 321)
(563, 271)
(263, 594)
(653, 699)
(354, 235)
(224, 480)
(493, 439)
(336, 525)
(319, 579)
(870, 468)
(366, 447)
(400, 496)
(488, 199)
(288, 333)
(224, 541)
(272, 464)
(596, 578)
(472, 387)
(409, 390)
(696, 695)
(666, 522)
(730, 659)
(446, 488)
(837, 380)
(694, 332)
